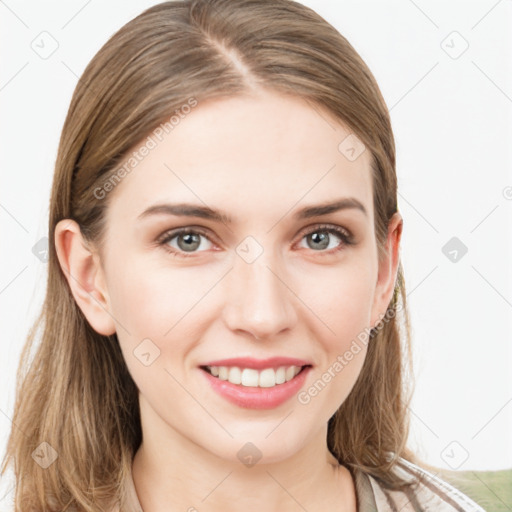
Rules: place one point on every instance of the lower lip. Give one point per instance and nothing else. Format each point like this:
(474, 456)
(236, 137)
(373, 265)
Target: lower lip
(256, 397)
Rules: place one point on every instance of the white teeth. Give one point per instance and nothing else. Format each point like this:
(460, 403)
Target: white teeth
(281, 375)
(250, 377)
(235, 375)
(267, 378)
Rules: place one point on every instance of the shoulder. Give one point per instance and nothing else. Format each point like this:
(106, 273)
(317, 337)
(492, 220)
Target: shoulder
(427, 493)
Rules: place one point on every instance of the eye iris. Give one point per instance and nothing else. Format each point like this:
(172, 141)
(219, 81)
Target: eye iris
(190, 239)
(321, 237)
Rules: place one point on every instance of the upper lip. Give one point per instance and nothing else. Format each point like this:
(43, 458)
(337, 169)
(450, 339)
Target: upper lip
(259, 364)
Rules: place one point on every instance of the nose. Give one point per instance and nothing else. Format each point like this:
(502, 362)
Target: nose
(259, 301)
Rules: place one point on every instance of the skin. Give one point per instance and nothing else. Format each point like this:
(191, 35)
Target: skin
(258, 158)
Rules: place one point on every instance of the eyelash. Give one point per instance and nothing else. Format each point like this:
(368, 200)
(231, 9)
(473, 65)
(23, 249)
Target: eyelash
(343, 234)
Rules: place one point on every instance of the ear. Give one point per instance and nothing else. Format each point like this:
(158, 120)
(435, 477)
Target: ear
(388, 268)
(81, 266)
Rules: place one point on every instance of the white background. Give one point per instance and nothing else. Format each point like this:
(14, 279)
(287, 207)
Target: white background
(451, 116)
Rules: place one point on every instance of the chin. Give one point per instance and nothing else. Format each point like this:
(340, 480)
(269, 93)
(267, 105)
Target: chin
(259, 446)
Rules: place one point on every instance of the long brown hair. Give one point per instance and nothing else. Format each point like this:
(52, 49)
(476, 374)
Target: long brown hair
(74, 394)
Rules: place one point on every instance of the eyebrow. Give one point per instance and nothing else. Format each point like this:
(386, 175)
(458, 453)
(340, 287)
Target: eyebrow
(204, 212)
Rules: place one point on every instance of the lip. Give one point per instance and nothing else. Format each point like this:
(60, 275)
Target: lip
(256, 397)
(259, 364)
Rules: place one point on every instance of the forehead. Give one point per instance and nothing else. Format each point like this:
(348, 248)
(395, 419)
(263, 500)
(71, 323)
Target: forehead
(248, 154)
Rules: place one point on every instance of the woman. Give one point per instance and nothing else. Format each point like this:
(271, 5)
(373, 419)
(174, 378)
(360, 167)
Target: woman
(222, 322)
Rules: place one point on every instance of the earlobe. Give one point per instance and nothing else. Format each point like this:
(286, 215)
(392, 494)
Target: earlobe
(388, 270)
(80, 265)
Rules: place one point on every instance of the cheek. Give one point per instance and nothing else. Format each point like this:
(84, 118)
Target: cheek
(148, 299)
(341, 299)
(159, 311)
(147, 306)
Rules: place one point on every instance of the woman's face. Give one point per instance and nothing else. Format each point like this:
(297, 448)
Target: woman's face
(272, 282)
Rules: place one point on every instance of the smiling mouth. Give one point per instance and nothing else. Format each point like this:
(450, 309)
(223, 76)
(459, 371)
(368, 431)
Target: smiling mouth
(250, 377)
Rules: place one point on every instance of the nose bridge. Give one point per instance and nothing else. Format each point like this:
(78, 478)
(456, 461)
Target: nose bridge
(258, 301)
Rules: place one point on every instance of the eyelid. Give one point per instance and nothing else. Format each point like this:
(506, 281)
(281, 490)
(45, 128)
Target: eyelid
(171, 233)
(319, 227)
(346, 236)
(168, 235)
